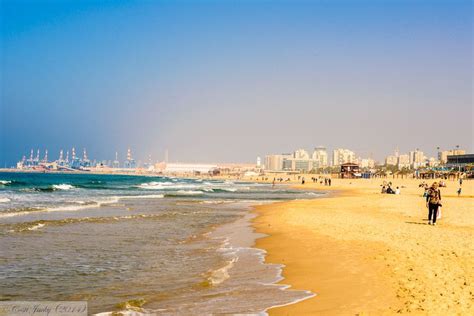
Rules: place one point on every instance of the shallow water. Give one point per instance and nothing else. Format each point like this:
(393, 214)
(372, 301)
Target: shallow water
(166, 245)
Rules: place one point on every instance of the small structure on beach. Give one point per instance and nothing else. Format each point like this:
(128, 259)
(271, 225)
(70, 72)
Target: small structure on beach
(350, 171)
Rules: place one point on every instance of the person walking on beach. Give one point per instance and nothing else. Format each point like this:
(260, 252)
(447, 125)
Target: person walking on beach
(433, 202)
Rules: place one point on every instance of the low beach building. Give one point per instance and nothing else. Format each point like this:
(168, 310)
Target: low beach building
(350, 171)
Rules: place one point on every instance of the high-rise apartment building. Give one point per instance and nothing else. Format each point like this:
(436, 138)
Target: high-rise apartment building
(341, 156)
(320, 157)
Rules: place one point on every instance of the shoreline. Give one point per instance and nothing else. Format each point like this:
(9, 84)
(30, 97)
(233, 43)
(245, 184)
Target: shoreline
(359, 251)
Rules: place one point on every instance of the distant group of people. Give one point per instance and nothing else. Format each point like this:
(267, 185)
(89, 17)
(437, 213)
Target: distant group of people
(275, 180)
(387, 188)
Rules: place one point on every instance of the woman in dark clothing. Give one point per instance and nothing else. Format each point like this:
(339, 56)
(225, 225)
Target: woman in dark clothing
(433, 202)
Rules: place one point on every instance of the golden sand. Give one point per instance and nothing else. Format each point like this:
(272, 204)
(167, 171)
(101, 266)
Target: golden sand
(363, 252)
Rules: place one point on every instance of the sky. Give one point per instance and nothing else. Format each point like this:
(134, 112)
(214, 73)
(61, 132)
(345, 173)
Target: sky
(227, 81)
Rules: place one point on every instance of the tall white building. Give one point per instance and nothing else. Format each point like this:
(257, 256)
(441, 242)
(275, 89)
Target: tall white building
(367, 163)
(320, 157)
(403, 161)
(275, 162)
(341, 156)
(391, 160)
(300, 154)
(417, 159)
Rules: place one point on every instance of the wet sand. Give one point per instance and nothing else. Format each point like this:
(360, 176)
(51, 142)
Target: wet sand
(363, 252)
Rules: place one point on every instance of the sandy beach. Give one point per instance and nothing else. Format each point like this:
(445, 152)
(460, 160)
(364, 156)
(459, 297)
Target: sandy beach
(368, 253)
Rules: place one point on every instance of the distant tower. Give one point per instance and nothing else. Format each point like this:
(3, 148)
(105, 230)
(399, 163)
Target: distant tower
(259, 162)
(130, 162)
(61, 155)
(67, 156)
(45, 159)
(37, 155)
(116, 163)
(85, 161)
(30, 161)
(73, 153)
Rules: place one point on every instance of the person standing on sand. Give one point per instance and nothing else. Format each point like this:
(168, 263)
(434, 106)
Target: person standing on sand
(433, 202)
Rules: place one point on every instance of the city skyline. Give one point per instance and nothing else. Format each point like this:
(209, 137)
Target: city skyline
(250, 77)
(319, 157)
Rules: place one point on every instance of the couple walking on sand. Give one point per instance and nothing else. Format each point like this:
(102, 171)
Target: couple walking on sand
(433, 202)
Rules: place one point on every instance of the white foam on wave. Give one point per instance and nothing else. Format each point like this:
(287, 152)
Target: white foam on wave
(229, 189)
(81, 205)
(149, 196)
(63, 186)
(165, 186)
(220, 275)
(37, 226)
(188, 192)
(5, 182)
(4, 200)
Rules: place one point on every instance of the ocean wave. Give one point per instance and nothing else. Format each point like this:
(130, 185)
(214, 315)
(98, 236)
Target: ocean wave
(61, 208)
(220, 275)
(77, 205)
(4, 200)
(227, 189)
(189, 192)
(149, 196)
(5, 182)
(166, 186)
(63, 186)
(28, 226)
(35, 225)
(212, 202)
(20, 211)
(154, 185)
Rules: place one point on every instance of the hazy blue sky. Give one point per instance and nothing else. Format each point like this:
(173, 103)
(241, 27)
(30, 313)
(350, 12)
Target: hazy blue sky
(230, 80)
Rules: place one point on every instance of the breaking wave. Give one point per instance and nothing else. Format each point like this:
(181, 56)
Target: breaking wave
(63, 186)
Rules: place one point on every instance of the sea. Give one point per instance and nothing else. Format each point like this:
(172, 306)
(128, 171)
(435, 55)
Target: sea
(139, 244)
